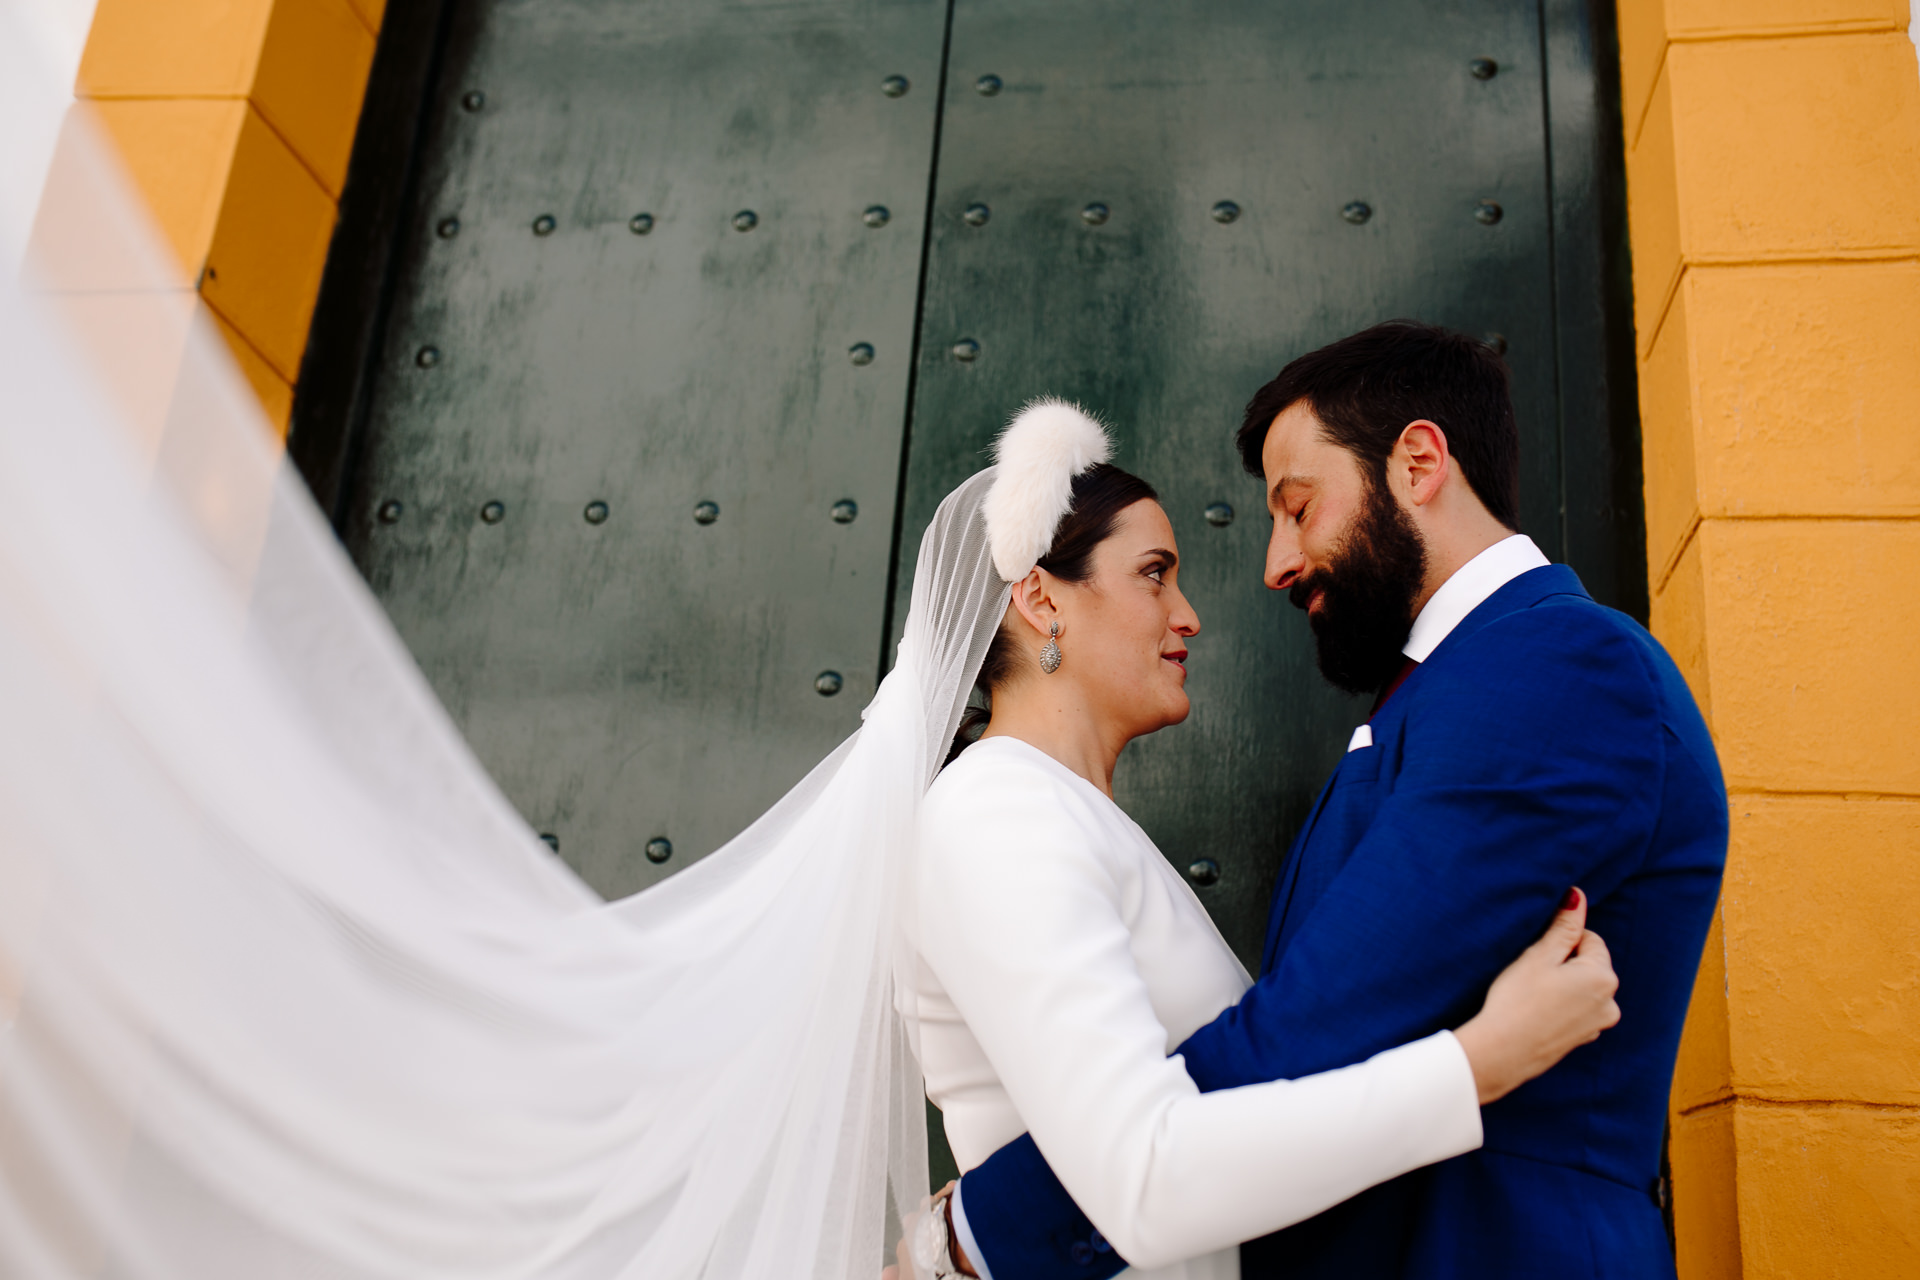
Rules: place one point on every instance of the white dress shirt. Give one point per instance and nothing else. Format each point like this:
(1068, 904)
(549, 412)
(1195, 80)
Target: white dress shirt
(1061, 959)
(1459, 596)
(1468, 589)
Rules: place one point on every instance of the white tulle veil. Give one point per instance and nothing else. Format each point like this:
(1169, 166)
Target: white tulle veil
(286, 987)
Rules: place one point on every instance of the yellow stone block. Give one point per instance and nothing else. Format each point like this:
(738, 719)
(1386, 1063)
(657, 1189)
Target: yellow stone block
(179, 155)
(1643, 43)
(1703, 1072)
(1810, 628)
(264, 266)
(1646, 26)
(303, 63)
(1804, 384)
(1837, 120)
(1653, 217)
(1706, 1223)
(1669, 444)
(311, 79)
(274, 392)
(1797, 148)
(1822, 950)
(1828, 1191)
(175, 48)
(1678, 619)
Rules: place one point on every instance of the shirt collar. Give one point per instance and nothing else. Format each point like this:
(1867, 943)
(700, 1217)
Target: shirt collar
(1468, 589)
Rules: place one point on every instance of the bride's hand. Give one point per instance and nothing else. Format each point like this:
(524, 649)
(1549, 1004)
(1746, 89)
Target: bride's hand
(1556, 997)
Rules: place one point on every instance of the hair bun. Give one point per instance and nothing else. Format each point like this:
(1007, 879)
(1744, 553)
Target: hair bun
(1047, 444)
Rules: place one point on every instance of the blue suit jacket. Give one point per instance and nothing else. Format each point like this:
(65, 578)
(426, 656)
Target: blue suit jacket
(1547, 742)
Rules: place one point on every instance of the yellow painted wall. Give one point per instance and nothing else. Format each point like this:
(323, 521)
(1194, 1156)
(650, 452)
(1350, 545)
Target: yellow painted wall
(1773, 173)
(235, 119)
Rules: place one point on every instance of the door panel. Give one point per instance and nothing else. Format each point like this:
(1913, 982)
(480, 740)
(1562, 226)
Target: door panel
(1163, 317)
(652, 676)
(635, 274)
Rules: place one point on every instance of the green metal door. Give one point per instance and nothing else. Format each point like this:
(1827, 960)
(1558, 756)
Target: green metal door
(653, 333)
(632, 445)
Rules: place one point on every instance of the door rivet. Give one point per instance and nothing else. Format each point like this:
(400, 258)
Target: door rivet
(448, 228)
(827, 683)
(844, 511)
(1483, 68)
(860, 353)
(640, 223)
(895, 86)
(427, 357)
(659, 849)
(987, 86)
(1357, 212)
(596, 513)
(1203, 871)
(1095, 214)
(551, 840)
(1487, 212)
(390, 511)
(745, 220)
(1496, 343)
(474, 100)
(976, 215)
(1225, 211)
(706, 512)
(1219, 514)
(876, 215)
(966, 350)
(544, 225)
(494, 512)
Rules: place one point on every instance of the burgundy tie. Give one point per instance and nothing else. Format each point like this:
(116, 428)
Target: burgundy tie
(1386, 690)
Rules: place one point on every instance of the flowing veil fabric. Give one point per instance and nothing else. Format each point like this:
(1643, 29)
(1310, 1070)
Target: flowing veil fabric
(286, 987)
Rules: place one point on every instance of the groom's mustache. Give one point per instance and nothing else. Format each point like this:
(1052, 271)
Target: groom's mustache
(1301, 593)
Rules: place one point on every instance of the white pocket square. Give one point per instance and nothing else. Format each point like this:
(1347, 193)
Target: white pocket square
(1362, 737)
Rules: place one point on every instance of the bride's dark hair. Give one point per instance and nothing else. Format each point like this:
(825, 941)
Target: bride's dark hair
(1100, 494)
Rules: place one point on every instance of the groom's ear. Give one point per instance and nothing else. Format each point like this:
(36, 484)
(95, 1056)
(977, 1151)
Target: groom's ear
(1420, 461)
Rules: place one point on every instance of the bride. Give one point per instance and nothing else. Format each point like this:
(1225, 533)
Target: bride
(1061, 959)
(287, 988)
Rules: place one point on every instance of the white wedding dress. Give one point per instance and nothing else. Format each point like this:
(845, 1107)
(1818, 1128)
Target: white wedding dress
(1060, 960)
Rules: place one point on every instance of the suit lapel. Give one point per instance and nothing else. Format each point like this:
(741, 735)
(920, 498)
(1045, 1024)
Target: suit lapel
(1524, 592)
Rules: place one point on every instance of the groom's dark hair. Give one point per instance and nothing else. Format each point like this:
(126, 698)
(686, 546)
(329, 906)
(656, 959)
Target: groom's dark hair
(1365, 390)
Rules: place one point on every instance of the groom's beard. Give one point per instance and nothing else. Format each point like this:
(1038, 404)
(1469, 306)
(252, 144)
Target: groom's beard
(1368, 586)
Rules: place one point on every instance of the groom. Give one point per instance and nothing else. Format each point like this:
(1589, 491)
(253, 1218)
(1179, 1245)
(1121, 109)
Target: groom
(1524, 739)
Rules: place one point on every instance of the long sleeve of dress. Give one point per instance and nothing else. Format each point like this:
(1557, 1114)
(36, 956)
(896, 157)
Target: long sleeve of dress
(1023, 919)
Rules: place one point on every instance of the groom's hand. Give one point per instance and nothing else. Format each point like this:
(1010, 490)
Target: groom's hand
(1556, 997)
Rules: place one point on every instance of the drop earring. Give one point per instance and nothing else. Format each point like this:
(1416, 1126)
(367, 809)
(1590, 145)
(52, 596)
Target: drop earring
(1050, 652)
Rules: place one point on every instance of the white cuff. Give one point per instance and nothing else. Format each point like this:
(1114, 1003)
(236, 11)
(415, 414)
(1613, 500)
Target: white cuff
(1461, 1093)
(964, 1233)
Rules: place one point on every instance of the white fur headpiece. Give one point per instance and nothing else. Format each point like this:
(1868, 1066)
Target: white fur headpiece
(1047, 444)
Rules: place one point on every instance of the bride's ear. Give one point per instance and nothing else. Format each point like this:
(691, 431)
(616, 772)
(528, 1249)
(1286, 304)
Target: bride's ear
(1033, 600)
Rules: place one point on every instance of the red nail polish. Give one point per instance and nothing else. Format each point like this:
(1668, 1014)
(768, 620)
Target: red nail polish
(1573, 900)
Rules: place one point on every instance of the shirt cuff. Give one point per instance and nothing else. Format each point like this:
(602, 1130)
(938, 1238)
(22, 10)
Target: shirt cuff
(964, 1234)
(1459, 1093)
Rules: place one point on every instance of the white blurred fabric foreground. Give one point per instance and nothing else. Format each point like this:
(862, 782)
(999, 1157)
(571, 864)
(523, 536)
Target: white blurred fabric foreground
(286, 987)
